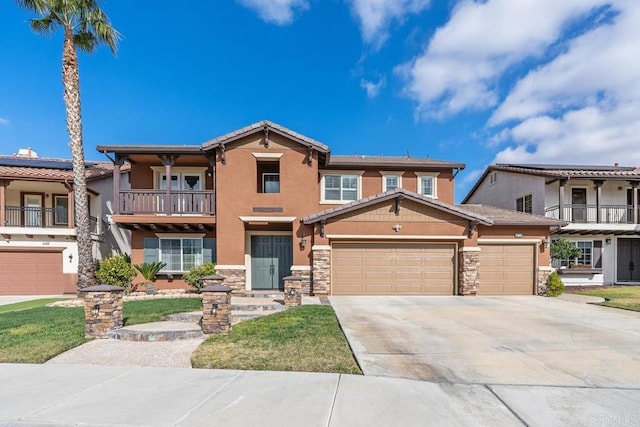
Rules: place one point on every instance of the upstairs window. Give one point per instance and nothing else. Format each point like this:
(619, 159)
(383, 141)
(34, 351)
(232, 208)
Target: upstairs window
(427, 184)
(391, 180)
(268, 177)
(525, 204)
(340, 187)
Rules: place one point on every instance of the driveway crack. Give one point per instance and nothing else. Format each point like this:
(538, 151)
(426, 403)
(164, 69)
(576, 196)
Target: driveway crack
(515, 414)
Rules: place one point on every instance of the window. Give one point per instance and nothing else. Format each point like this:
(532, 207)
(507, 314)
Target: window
(182, 178)
(340, 188)
(61, 209)
(525, 204)
(493, 178)
(268, 177)
(391, 180)
(427, 183)
(586, 258)
(180, 253)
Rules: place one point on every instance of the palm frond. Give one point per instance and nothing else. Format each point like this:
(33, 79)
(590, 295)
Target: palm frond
(37, 6)
(85, 41)
(45, 25)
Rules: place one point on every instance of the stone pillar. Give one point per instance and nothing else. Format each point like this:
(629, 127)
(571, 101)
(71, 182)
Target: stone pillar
(292, 291)
(102, 310)
(304, 273)
(212, 280)
(468, 270)
(542, 276)
(321, 271)
(216, 309)
(235, 277)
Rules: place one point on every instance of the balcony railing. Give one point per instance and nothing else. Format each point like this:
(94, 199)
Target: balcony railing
(22, 216)
(183, 202)
(609, 214)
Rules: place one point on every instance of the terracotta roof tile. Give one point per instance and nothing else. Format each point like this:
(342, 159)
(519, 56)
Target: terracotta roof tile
(94, 170)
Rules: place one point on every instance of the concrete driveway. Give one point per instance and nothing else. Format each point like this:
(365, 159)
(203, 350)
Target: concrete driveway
(493, 340)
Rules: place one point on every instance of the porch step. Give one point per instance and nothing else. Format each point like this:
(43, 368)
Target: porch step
(190, 317)
(260, 294)
(255, 304)
(158, 331)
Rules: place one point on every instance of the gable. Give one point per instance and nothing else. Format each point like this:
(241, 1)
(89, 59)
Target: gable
(410, 211)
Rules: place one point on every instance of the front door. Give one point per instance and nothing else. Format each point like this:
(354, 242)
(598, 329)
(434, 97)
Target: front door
(579, 204)
(271, 259)
(628, 260)
(32, 204)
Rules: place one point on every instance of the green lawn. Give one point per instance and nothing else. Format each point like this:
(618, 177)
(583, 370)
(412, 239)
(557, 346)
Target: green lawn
(626, 297)
(28, 304)
(36, 335)
(306, 338)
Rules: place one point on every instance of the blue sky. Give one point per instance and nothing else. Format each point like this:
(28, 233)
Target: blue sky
(473, 81)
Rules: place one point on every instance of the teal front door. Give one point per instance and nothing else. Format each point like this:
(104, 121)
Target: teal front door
(271, 259)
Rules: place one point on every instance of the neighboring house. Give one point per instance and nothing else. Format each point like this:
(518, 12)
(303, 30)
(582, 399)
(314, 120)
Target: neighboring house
(600, 204)
(265, 202)
(38, 249)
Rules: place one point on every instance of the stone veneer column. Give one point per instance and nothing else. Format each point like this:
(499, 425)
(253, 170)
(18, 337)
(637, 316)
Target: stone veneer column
(304, 273)
(321, 271)
(468, 270)
(292, 291)
(542, 276)
(235, 277)
(216, 309)
(102, 310)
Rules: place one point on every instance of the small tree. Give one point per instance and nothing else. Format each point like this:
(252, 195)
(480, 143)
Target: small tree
(555, 287)
(562, 249)
(116, 271)
(195, 275)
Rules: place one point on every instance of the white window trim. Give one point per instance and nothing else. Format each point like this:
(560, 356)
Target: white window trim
(342, 173)
(268, 157)
(433, 175)
(385, 174)
(158, 171)
(176, 236)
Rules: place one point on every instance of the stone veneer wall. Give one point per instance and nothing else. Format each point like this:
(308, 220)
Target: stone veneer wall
(108, 301)
(234, 277)
(468, 270)
(220, 322)
(305, 275)
(542, 276)
(321, 272)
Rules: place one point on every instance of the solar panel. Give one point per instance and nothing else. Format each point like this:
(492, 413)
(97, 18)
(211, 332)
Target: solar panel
(38, 163)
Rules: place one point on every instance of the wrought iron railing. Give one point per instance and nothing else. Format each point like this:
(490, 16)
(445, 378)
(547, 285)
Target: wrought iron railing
(22, 216)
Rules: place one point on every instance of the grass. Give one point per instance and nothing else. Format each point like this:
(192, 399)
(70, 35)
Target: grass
(25, 305)
(35, 335)
(306, 338)
(626, 297)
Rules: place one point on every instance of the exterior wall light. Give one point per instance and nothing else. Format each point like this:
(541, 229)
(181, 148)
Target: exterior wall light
(303, 241)
(95, 310)
(608, 240)
(214, 308)
(70, 257)
(546, 242)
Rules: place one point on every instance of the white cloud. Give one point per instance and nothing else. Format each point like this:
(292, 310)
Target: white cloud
(376, 16)
(4, 122)
(462, 64)
(583, 105)
(279, 12)
(373, 89)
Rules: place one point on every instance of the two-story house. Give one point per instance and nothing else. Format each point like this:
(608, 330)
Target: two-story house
(38, 248)
(599, 204)
(265, 202)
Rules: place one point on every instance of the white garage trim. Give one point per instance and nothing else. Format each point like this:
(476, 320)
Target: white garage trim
(392, 237)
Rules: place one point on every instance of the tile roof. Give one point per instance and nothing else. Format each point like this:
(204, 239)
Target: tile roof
(94, 170)
(500, 216)
(390, 161)
(272, 127)
(392, 194)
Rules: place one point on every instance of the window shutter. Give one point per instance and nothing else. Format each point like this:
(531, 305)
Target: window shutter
(597, 254)
(151, 251)
(209, 250)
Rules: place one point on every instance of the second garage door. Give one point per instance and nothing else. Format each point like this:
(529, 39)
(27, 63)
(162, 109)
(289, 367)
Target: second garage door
(392, 268)
(506, 269)
(31, 273)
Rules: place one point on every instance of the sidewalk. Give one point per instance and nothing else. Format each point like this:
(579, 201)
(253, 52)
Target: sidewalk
(128, 396)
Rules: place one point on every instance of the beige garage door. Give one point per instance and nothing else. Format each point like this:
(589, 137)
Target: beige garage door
(392, 269)
(31, 273)
(506, 270)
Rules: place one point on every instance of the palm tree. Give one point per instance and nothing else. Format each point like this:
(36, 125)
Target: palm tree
(85, 27)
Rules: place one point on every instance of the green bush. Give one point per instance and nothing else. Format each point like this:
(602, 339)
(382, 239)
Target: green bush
(150, 269)
(195, 275)
(116, 271)
(555, 287)
(562, 249)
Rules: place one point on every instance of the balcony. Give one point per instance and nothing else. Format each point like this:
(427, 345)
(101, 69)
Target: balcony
(588, 214)
(35, 217)
(177, 202)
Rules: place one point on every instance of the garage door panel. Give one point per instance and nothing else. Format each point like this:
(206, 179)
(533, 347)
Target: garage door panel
(392, 268)
(31, 273)
(506, 269)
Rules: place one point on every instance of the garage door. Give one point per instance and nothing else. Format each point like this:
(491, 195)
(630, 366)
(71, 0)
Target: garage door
(392, 269)
(31, 273)
(506, 270)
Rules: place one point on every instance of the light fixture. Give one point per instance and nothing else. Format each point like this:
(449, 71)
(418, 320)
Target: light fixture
(70, 257)
(214, 309)
(397, 227)
(95, 310)
(546, 242)
(303, 241)
(292, 292)
(608, 240)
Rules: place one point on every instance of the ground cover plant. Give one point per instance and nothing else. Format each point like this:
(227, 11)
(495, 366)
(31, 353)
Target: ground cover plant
(306, 338)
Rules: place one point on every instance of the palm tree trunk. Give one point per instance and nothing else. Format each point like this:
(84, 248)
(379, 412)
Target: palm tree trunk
(71, 83)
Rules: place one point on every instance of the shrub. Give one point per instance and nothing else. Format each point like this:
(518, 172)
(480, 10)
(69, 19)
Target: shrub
(116, 271)
(563, 249)
(150, 269)
(555, 287)
(195, 275)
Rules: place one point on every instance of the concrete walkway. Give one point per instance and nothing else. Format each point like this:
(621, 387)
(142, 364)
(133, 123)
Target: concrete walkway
(128, 396)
